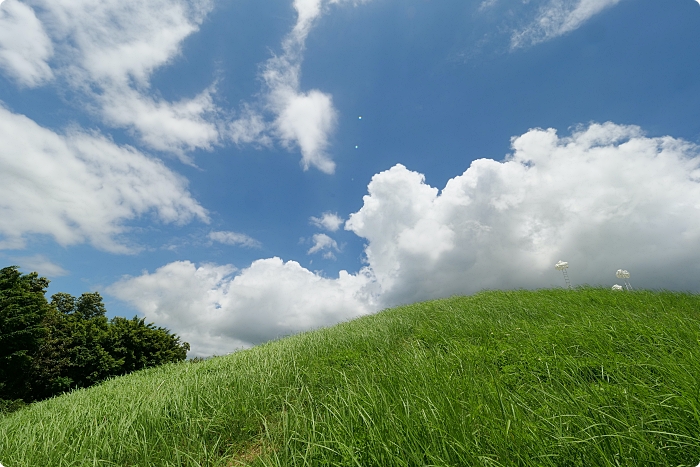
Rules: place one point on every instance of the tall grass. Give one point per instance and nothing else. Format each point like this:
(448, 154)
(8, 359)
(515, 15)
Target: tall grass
(589, 377)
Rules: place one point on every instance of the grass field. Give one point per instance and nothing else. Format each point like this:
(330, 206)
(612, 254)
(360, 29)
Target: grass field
(589, 377)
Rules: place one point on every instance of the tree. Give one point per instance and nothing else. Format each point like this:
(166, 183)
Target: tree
(83, 348)
(138, 345)
(49, 348)
(80, 343)
(52, 362)
(23, 308)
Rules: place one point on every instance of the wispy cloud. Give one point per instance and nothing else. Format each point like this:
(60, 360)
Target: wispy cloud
(40, 264)
(106, 52)
(25, 48)
(81, 187)
(323, 242)
(557, 18)
(486, 4)
(234, 238)
(300, 119)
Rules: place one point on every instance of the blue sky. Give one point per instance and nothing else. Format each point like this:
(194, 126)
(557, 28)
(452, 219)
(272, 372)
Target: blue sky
(238, 170)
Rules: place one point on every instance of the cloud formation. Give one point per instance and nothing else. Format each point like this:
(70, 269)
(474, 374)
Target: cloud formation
(25, 47)
(217, 311)
(40, 264)
(106, 52)
(234, 238)
(557, 18)
(81, 187)
(330, 221)
(301, 119)
(606, 197)
(323, 242)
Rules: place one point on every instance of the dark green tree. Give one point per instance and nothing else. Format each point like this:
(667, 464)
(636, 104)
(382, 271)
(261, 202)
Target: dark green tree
(51, 364)
(23, 308)
(49, 348)
(138, 345)
(81, 341)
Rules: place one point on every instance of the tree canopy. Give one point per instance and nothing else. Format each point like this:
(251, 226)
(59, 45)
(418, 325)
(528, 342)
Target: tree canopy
(47, 348)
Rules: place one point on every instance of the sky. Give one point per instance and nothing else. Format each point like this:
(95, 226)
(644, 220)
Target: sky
(237, 171)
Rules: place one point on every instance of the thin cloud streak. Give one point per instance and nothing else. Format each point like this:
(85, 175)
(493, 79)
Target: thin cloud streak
(41, 264)
(557, 18)
(234, 238)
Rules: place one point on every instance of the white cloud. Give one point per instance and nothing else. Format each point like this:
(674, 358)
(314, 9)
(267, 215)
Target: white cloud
(80, 187)
(40, 264)
(24, 45)
(250, 128)
(234, 238)
(303, 119)
(604, 198)
(486, 4)
(557, 18)
(329, 220)
(106, 51)
(176, 127)
(323, 242)
(217, 311)
(607, 197)
(120, 41)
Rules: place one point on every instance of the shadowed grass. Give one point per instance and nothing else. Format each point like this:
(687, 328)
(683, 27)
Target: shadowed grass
(589, 377)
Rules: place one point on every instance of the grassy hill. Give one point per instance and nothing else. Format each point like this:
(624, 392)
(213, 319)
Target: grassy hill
(589, 377)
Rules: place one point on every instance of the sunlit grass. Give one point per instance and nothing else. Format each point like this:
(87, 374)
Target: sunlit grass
(589, 377)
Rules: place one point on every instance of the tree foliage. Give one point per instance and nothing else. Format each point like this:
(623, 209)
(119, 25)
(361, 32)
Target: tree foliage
(22, 312)
(49, 348)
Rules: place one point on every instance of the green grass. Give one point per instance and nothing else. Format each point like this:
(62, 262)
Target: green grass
(589, 377)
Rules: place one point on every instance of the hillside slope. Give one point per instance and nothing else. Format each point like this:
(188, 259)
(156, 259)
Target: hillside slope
(552, 377)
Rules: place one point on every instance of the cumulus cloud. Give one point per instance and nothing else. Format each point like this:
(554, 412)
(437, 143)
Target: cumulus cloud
(557, 18)
(234, 238)
(301, 119)
(218, 309)
(39, 264)
(106, 51)
(330, 221)
(81, 187)
(604, 198)
(25, 47)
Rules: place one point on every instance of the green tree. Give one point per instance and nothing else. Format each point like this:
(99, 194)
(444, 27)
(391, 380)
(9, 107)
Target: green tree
(80, 341)
(49, 348)
(23, 308)
(51, 364)
(139, 345)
